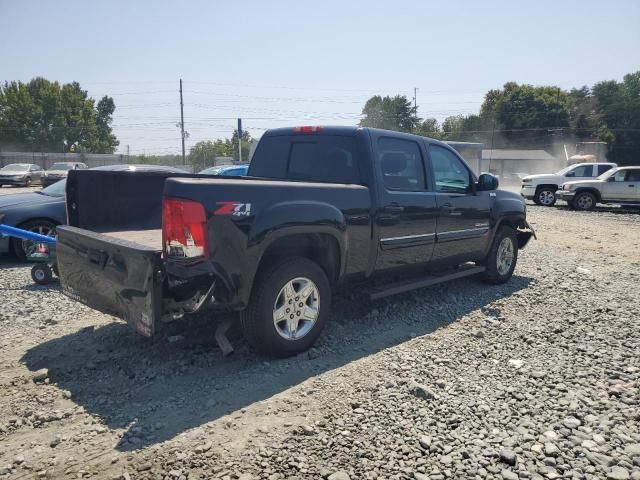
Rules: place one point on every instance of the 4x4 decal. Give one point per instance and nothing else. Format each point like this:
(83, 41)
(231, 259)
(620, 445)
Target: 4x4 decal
(233, 208)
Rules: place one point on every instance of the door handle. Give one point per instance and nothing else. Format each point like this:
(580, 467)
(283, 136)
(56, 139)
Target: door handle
(393, 208)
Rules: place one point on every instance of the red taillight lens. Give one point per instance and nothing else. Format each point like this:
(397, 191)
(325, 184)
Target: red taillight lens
(184, 228)
(307, 129)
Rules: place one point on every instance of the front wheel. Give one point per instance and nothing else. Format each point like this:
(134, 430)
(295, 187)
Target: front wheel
(502, 258)
(27, 182)
(584, 201)
(289, 306)
(545, 197)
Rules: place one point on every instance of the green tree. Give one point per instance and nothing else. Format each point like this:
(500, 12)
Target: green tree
(203, 154)
(429, 127)
(522, 112)
(46, 116)
(618, 103)
(106, 141)
(391, 113)
(246, 146)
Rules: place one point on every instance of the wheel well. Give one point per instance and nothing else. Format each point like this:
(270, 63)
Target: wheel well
(547, 185)
(594, 191)
(50, 220)
(320, 248)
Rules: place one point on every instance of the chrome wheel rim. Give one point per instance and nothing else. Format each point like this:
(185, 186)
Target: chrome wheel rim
(585, 202)
(296, 308)
(39, 274)
(505, 256)
(546, 197)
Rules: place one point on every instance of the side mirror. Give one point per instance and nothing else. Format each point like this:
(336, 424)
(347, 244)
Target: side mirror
(487, 182)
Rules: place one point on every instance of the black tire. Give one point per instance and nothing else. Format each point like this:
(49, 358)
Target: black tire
(38, 226)
(494, 272)
(257, 321)
(584, 201)
(545, 196)
(41, 273)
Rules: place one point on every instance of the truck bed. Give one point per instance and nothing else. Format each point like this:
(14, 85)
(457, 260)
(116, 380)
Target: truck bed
(149, 238)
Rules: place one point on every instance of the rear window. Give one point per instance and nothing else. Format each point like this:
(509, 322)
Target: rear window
(603, 168)
(316, 158)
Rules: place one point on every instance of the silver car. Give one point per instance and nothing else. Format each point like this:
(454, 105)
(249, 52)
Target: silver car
(23, 174)
(60, 170)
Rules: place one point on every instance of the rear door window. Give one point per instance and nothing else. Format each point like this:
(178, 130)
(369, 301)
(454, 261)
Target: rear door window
(401, 164)
(633, 176)
(314, 158)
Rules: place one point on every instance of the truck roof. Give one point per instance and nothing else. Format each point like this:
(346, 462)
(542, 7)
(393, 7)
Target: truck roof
(347, 130)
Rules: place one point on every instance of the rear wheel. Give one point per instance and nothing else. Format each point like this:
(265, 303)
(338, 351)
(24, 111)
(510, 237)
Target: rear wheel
(289, 306)
(546, 197)
(584, 201)
(503, 256)
(21, 248)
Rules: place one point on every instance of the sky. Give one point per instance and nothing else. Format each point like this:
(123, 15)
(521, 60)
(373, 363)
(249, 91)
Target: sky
(287, 63)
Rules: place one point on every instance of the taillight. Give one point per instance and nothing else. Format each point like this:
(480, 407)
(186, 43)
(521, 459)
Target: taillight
(184, 228)
(307, 129)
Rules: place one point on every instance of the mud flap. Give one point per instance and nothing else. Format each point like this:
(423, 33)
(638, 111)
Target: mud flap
(113, 276)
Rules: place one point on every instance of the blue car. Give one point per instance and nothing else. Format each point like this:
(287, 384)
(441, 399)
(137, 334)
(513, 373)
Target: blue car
(43, 211)
(227, 170)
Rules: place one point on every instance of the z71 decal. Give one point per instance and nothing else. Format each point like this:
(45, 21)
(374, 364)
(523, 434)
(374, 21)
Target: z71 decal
(233, 208)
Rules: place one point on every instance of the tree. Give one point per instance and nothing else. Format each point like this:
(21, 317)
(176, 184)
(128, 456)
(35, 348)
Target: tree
(523, 112)
(619, 105)
(391, 113)
(106, 141)
(203, 154)
(429, 127)
(46, 116)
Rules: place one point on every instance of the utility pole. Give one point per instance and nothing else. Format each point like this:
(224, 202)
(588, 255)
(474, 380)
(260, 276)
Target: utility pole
(128, 153)
(184, 160)
(415, 101)
(240, 140)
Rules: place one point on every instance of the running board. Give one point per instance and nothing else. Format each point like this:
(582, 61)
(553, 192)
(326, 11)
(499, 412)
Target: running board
(426, 281)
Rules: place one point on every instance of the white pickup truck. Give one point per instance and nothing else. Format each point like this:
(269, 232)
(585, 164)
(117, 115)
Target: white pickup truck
(542, 188)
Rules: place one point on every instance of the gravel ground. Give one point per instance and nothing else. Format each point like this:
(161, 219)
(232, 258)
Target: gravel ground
(536, 379)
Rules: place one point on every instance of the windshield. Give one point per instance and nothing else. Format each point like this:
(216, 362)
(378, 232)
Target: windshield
(16, 167)
(565, 170)
(61, 166)
(55, 190)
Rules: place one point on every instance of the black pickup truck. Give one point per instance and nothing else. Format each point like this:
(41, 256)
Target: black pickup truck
(321, 207)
